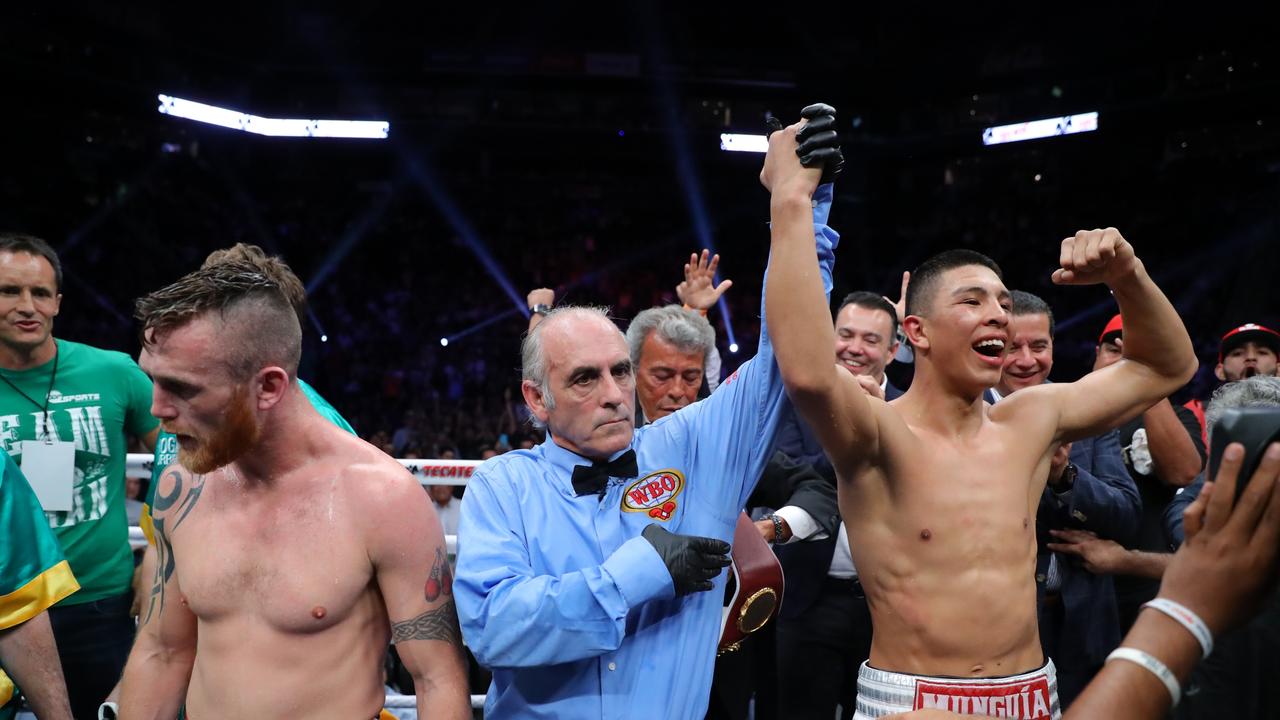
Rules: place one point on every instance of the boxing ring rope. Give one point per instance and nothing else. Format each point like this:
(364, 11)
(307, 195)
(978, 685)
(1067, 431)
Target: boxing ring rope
(428, 472)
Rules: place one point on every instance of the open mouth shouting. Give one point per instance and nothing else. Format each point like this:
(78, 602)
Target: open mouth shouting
(991, 349)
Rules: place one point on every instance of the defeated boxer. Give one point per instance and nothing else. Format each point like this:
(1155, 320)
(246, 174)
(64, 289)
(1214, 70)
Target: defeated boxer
(288, 551)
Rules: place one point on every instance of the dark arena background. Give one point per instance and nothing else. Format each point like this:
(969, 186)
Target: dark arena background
(592, 147)
(578, 147)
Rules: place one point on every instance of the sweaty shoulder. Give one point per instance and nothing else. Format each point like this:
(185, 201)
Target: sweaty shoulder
(369, 478)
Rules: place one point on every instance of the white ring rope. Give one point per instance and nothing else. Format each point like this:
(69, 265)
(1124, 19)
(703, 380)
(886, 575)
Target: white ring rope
(409, 701)
(428, 472)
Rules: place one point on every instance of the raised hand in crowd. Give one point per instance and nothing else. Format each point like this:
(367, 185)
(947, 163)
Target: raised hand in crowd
(699, 291)
(540, 300)
(901, 305)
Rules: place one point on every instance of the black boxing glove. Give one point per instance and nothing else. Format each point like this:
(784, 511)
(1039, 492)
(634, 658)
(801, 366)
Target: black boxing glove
(692, 561)
(819, 142)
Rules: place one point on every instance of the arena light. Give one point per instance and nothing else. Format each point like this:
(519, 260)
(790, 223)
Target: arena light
(1037, 129)
(737, 142)
(273, 127)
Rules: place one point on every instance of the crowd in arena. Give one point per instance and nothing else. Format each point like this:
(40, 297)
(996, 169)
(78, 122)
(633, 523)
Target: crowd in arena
(460, 429)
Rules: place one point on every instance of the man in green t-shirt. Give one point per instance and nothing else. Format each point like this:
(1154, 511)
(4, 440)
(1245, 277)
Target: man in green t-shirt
(33, 576)
(82, 403)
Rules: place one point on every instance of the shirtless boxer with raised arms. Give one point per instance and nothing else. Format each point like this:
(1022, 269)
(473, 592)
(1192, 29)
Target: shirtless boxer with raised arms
(296, 549)
(939, 489)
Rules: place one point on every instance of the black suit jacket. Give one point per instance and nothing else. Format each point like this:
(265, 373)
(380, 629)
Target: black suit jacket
(790, 482)
(1104, 500)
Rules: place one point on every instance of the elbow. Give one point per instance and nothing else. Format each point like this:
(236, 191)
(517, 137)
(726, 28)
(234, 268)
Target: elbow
(1189, 368)
(1181, 477)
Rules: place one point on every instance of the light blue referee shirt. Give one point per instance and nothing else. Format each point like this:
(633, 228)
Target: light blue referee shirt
(560, 596)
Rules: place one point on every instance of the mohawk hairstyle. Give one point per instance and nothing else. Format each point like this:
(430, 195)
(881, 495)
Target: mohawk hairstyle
(258, 320)
(273, 266)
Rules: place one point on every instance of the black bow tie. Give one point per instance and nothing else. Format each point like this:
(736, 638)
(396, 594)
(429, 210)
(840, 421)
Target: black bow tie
(593, 478)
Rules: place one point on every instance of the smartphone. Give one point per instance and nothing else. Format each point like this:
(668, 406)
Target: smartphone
(1253, 427)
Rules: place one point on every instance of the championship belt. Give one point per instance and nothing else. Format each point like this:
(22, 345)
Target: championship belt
(754, 591)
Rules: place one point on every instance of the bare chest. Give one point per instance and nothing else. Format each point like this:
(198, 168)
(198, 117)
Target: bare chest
(297, 566)
(973, 500)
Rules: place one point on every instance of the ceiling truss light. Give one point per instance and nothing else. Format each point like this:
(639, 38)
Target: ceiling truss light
(1036, 129)
(737, 142)
(273, 127)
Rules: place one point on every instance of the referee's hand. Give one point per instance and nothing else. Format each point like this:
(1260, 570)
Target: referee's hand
(693, 561)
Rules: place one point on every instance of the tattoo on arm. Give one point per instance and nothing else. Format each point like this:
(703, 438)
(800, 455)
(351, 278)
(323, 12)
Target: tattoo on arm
(439, 623)
(160, 523)
(440, 580)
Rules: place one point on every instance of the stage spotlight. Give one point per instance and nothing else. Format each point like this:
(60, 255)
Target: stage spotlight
(733, 347)
(444, 342)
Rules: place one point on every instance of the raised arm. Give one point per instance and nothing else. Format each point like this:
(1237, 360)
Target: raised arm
(540, 301)
(827, 398)
(738, 424)
(155, 679)
(1158, 356)
(406, 546)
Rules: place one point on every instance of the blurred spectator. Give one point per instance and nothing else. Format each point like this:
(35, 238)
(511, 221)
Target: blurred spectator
(134, 496)
(84, 402)
(1247, 351)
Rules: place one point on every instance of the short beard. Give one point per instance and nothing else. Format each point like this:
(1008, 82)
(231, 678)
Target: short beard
(239, 432)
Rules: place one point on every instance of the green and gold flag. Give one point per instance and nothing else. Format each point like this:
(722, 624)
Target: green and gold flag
(33, 573)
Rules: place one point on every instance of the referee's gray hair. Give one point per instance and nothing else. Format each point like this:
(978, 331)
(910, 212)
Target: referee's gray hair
(688, 330)
(533, 360)
(1257, 391)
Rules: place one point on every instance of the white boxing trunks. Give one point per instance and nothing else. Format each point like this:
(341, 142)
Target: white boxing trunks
(1029, 696)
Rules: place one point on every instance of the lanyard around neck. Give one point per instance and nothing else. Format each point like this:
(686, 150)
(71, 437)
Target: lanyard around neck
(44, 408)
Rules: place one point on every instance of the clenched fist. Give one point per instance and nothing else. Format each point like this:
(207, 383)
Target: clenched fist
(1095, 256)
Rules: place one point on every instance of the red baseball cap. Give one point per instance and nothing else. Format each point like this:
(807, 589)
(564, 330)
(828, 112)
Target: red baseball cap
(1116, 326)
(1249, 331)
